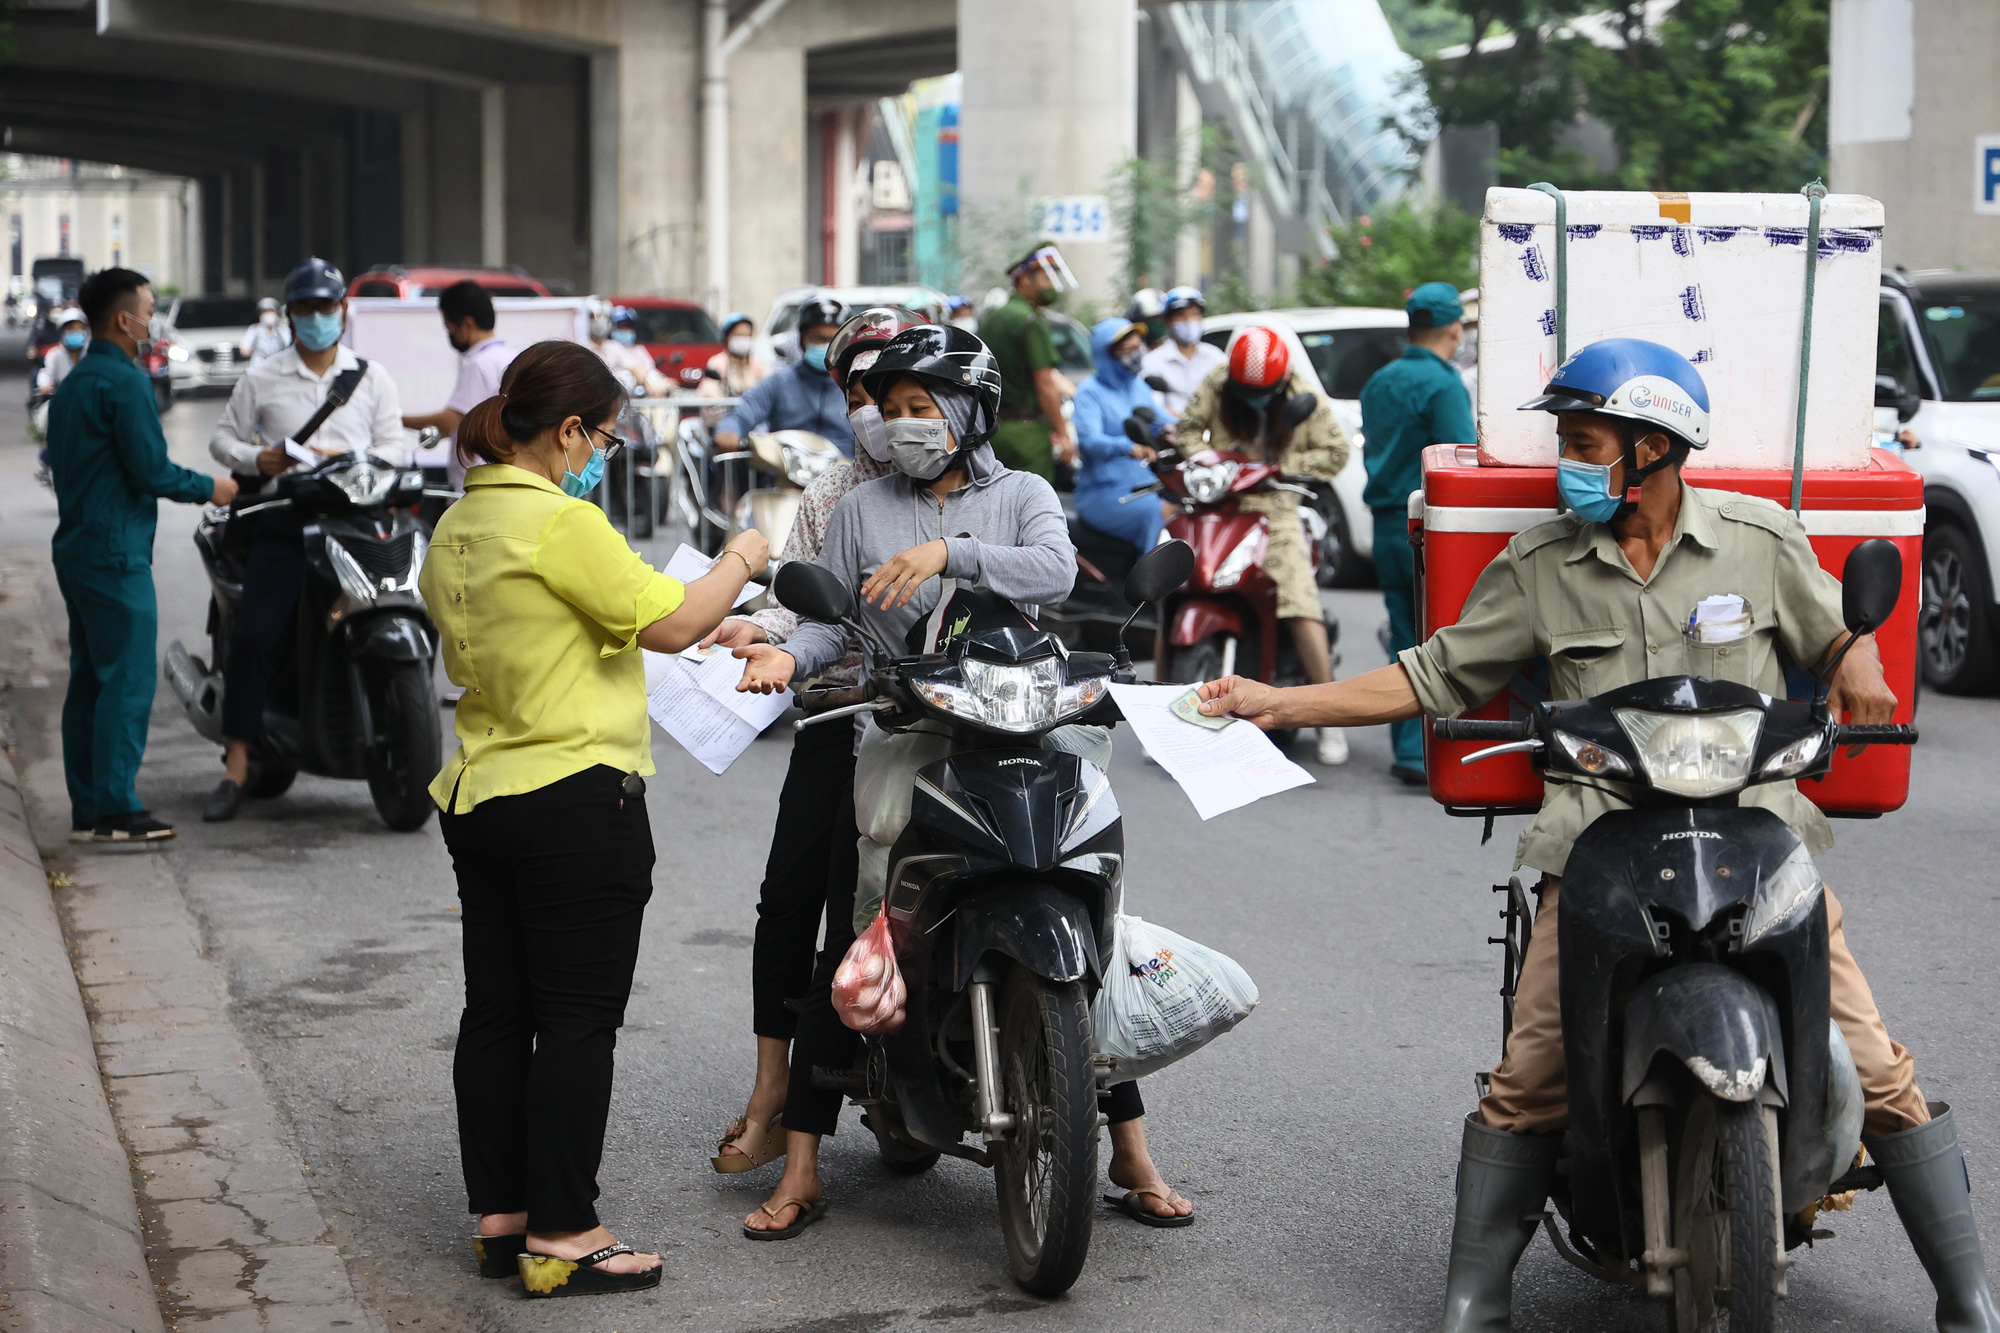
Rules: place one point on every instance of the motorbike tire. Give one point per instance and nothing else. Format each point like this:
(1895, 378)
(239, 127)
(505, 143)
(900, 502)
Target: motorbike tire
(269, 781)
(399, 777)
(1045, 1170)
(1725, 1221)
(1340, 565)
(643, 505)
(163, 395)
(1958, 642)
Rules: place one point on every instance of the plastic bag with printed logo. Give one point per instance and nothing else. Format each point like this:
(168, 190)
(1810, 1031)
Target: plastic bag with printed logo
(1164, 997)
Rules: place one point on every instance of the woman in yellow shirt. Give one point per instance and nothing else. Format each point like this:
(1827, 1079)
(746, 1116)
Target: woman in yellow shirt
(541, 605)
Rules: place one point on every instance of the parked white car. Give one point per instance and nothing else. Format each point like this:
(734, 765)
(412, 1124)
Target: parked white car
(207, 333)
(1339, 347)
(1937, 366)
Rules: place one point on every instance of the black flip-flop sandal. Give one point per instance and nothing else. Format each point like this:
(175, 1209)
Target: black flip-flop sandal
(809, 1213)
(544, 1275)
(499, 1256)
(1128, 1204)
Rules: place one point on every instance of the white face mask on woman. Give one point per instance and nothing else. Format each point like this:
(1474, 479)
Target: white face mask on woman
(870, 431)
(739, 347)
(919, 447)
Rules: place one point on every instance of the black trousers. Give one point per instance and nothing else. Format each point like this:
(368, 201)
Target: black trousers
(274, 570)
(552, 885)
(812, 849)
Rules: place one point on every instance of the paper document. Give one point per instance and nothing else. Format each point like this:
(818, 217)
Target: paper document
(695, 700)
(301, 454)
(689, 564)
(1218, 769)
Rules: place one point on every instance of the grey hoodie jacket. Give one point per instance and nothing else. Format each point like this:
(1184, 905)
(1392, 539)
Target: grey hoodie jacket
(1004, 533)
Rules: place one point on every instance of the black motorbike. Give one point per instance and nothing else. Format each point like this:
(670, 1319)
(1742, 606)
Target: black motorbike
(351, 693)
(1002, 895)
(1713, 1103)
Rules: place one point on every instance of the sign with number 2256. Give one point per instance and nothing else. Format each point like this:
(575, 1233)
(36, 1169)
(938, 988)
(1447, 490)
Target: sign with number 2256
(1077, 217)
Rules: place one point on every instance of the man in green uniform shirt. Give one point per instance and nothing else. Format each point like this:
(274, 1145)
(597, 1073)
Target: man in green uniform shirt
(1407, 406)
(111, 471)
(1032, 434)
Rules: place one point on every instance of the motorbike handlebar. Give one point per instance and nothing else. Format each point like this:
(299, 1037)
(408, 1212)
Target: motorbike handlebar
(1889, 734)
(1480, 729)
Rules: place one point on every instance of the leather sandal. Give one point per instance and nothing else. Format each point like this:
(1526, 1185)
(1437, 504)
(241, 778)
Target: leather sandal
(498, 1255)
(544, 1275)
(810, 1211)
(1128, 1204)
(768, 1150)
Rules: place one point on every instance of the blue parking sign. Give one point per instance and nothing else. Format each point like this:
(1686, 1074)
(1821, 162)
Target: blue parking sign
(1986, 174)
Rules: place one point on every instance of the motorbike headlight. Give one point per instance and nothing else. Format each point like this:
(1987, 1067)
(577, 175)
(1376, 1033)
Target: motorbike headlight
(365, 483)
(1592, 757)
(1209, 483)
(1694, 754)
(1794, 758)
(802, 466)
(1024, 697)
(354, 580)
(1238, 562)
(1783, 895)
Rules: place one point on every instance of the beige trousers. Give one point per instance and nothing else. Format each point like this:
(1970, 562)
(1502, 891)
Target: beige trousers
(1531, 1096)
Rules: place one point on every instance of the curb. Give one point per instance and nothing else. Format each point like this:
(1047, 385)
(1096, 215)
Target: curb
(72, 1255)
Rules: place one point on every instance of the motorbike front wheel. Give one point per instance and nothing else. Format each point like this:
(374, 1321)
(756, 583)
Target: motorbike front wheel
(1725, 1221)
(1046, 1167)
(400, 772)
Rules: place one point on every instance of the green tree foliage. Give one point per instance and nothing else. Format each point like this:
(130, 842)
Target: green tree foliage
(1717, 95)
(1424, 27)
(1379, 259)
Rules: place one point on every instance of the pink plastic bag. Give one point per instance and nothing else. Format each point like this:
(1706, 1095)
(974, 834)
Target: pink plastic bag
(868, 990)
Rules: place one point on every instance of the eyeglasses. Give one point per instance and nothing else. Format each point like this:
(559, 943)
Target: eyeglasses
(612, 444)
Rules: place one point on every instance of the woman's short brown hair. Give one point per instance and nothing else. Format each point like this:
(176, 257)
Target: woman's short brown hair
(546, 384)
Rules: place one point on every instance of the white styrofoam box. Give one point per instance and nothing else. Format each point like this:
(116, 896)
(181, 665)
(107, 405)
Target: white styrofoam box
(1720, 278)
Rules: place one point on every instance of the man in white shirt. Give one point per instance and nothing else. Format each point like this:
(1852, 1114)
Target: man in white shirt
(269, 336)
(467, 310)
(255, 439)
(1183, 360)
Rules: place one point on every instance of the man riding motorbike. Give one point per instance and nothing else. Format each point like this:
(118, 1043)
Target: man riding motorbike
(1604, 593)
(1241, 406)
(276, 397)
(1184, 361)
(803, 395)
(938, 391)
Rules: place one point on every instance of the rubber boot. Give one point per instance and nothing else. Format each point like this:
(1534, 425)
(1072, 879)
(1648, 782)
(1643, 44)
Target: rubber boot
(1502, 1178)
(1928, 1182)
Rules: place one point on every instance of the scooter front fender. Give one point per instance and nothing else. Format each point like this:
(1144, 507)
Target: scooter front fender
(1039, 926)
(390, 637)
(1200, 618)
(1719, 1024)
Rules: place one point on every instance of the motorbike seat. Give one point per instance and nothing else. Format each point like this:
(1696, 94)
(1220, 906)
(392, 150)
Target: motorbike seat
(1113, 557)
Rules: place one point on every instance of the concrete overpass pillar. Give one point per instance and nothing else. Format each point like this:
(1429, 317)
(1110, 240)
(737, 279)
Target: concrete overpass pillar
(1050, 108)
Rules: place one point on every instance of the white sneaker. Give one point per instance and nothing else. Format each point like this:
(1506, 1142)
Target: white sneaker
(1332, 746)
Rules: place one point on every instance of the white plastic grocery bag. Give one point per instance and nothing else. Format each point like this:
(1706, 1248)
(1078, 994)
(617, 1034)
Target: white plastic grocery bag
(1164, 997)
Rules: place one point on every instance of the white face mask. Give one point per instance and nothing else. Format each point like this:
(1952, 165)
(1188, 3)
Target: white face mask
(870, 431)
(970, 323)
(1187, 332)
(739, 347)
(919, 447)
(269, 319)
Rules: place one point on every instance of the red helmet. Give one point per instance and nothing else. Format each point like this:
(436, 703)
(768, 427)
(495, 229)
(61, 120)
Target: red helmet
(1259, 359)
(867, 331)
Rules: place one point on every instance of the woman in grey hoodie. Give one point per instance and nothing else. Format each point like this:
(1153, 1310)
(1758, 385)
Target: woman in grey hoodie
(950, 511)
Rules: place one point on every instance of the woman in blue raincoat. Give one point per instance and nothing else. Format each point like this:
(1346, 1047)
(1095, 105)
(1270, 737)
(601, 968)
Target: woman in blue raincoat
(1110, 465)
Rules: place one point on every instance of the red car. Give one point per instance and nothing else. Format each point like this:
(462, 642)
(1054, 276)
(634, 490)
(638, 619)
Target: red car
(677, 334)
(412, 281)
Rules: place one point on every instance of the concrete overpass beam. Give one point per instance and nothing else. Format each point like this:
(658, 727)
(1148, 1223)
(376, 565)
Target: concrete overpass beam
(493, 175)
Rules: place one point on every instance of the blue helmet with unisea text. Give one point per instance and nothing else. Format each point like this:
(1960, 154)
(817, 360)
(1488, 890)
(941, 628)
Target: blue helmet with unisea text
(1632, 379)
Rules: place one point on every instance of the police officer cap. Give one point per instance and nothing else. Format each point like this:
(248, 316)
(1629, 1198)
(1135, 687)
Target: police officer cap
(1634, 380)
(315, 280)
(942, 355)
(1434, 305)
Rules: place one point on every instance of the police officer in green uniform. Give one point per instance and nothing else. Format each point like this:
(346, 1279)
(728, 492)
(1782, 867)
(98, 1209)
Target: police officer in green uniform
(1032, 435)
(111, 471)
(1407, 406)
(1604, 592)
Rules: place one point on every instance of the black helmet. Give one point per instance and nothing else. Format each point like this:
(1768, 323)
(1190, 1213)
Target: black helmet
(820, 310)
(872, 328)
(315, 280)
(947, 356)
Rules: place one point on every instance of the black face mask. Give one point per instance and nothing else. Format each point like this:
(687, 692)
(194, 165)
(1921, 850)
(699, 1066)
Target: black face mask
(456, 345)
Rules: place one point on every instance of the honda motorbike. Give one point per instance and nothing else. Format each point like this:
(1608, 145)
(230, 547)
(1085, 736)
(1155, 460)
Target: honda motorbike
(787, 461)
(1002, 894)
(1096, 614)
(351, 695)
(1713, 1103)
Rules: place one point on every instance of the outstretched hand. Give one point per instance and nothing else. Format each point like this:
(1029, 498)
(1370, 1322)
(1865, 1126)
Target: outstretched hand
(735, 632)
(767, 668)
(1235, 696)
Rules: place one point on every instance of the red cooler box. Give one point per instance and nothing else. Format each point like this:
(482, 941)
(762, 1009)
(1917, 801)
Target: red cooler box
(1466, 513)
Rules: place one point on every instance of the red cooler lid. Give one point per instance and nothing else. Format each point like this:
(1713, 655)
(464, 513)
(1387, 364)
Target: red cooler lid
(1455, 475)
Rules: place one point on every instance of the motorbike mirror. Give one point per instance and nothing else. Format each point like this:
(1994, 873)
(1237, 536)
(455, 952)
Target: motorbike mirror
(1889, 392)
(1870, 583)
(1135, 430)
(1298, 408)
(1158, 384)
(804, 587)
(1159, 571)
(1145, 414)
(711, 373)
